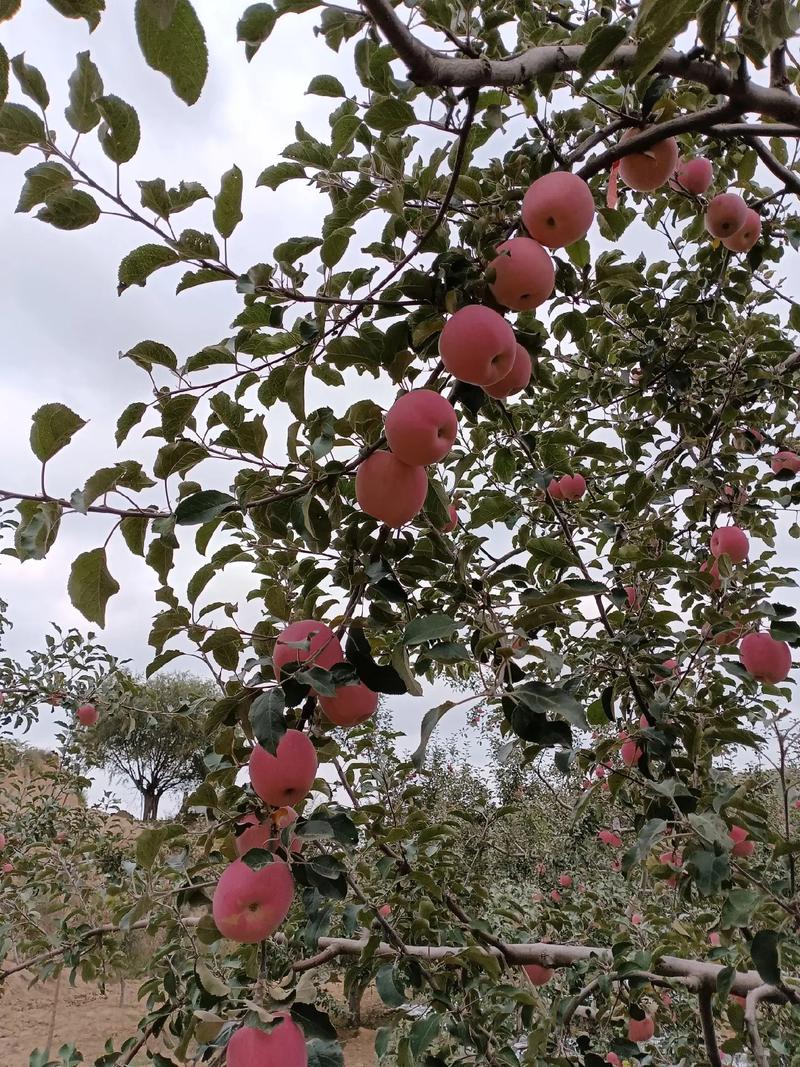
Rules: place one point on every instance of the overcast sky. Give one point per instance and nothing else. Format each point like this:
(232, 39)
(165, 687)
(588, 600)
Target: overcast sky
(63, 324)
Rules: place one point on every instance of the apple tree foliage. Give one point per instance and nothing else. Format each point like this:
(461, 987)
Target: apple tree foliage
(664, 371)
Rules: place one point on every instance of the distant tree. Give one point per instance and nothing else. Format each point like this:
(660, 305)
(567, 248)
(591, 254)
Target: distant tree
(151, 734)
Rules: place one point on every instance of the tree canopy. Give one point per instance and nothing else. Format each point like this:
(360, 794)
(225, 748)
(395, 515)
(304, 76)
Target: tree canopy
(594, 547)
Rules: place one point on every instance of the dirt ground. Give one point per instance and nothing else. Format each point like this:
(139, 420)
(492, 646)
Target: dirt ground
(88, 1019)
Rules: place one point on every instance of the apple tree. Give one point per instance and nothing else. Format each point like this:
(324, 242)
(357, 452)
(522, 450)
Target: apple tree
(558, 237)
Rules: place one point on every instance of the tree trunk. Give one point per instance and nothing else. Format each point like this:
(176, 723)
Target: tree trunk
(150, 799)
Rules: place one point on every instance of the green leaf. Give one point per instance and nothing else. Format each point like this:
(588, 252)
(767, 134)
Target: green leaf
(177, 49)
(80, 9)
(194, 244)
(294, 248)
(738, 908)
(203, 276)
(335, 245)
(279, 173)
(31, 81)
(68, 208)
(40, 181)
(133, 530)
(314, 1023)
(390, 986)
(4, 67)
(764, 953)
(430, 721)
(148, 845)
(648, 835)
(143, 261)
(37, 528)
(203, 506)
(389, 115)
(423, 1032)
(228, 203)
(602, 44)
(380, 679)
(539, 697)
(54, 426)
(657, 26)
(120, 133)
(570, 589)
(325, 85)
(130, 417)
(325, 1054)
(156, 197)
(91, 585)
(428, 628)
(255, 26)
(267, 719)
(209, 981)
(19, 128)
(85, 85)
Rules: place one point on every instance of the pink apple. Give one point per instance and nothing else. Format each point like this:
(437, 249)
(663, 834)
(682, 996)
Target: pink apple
(249, 905)
(517, 378)
(558, 209)
(747, 235)
(421, 427)
(765, 658)
(524, 275)
(282, 1046)
(785, 461)
(537, 975)
(641, 1029)
(730, 541)
(286, 777)
(651, 168)
(389, 490)
(741, 846)
(693, 175)
(725, 215)
(608, 837)
(87, 714)
(350, 705)
(477, 345)
(321, 646)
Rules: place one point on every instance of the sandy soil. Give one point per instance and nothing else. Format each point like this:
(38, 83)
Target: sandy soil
(88, 1018)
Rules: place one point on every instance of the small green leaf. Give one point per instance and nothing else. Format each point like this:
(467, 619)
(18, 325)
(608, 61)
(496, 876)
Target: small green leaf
(91, 585)
(202, 507)
(194, 244)
(54, 426)
(335, 245)
(325, 85)
(85, 85)
(148, 354)
(266, 718)
(602, 44)
(389, 115)
(209, 981)
(68, 208)
(130, 417)
(428, 628)
(143, 261)
(390, 986)
(177, 49)
(31, 81)
(133, 530)
(278, 173)
(228, 203)
(120, 132)
(430, 721)
(254, 27)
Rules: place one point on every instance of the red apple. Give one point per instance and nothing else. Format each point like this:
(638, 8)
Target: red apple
(248, 905)
(747, 235)
(517, 378)
(322, 648)
(286, 777)
(453, 521)
(730, 541)
(257, 835)
(537, 975)
(558, 209)
(524, 275)
(389, 490)
(87, 714)
(765, 658)
(421, 427)
(477, 345)
(282, 1046)
(741, 846)
(572, 486)
(693, 175)
(785, 461)
(649, 169)
(641, 1029)
(350, 705)
(725, 215)
(608, 837)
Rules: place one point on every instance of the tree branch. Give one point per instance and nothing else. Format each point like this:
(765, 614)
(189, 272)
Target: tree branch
(705, 1005)
(754, 997)
(426, 66)
(787, 176)
(98, 509)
